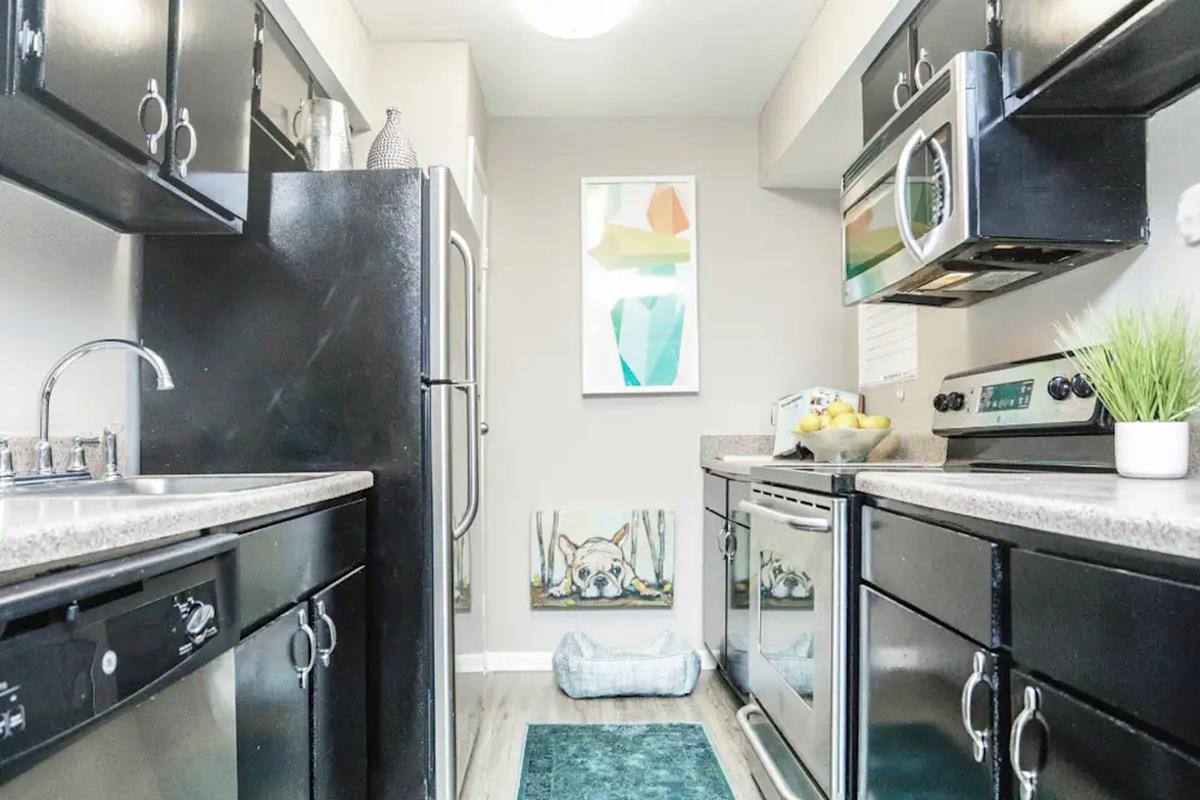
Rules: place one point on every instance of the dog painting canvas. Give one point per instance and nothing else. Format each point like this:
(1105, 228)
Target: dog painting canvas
(617, 559)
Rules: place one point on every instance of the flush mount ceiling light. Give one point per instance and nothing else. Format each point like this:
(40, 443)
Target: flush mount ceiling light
(575, 19)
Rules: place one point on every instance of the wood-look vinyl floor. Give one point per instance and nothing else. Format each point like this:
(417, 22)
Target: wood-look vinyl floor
(517, 698)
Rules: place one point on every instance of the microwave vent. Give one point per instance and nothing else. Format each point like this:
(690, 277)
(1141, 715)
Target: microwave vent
(1025, 254)
(918, 300)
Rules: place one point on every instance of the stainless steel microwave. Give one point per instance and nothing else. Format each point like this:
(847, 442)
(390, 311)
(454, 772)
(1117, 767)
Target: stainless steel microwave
(951, 202)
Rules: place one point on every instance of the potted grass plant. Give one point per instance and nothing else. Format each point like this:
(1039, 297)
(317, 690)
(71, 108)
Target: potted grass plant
(1145, 368)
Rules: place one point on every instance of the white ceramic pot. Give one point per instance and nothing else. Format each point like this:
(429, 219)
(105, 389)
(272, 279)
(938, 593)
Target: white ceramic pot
(1152, 449)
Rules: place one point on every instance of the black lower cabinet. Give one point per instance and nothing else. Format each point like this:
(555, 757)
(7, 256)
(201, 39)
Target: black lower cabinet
(301, 699)
(274, 735)
(915, 679)
(339, 702)
(1066, 749)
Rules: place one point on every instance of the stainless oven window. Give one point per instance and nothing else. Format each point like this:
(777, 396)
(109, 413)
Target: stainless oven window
(872, 229)
(790, 634)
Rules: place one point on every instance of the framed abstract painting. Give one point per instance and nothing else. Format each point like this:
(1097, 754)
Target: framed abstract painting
(641, 332)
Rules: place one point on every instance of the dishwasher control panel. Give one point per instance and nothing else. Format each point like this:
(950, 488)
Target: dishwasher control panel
(63, 668)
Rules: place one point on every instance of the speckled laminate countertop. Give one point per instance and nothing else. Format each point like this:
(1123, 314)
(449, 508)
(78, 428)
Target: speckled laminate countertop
(1159, 516)
(43, 531)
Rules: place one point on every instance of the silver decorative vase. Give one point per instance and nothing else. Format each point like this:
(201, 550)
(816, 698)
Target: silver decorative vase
(392, 149)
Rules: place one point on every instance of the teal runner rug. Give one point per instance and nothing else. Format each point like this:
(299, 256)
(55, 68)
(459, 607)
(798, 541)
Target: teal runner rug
(666, 761)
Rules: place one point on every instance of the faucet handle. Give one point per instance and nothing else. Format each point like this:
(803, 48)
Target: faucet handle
(112, 470)
(7, 473)
(78, 462)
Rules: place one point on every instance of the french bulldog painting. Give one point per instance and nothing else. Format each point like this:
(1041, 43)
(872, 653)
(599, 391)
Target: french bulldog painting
(783, 581)
(602, 558)
(598, 568)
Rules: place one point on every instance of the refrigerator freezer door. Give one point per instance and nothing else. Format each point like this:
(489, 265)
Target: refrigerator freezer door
(459, 676)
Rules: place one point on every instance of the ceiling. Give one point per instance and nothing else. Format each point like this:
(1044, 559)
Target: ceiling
(669, 58)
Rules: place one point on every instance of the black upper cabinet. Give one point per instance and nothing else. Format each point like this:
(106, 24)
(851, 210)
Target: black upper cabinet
(89, 96)
(879, 83)
(936, 32)
(214, 81)
(108, 66)
(945, 28)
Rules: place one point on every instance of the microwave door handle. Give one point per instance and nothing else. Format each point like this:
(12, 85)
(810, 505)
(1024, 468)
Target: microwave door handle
(818, 524)
(903, 216)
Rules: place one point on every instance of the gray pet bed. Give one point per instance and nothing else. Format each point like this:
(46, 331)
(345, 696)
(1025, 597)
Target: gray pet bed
(667, 668)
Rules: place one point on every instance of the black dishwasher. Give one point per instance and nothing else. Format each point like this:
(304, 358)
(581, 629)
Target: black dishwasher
(117, 679)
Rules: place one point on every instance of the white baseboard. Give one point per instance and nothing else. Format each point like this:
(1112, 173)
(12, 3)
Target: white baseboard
(519, 661)
(542, 661)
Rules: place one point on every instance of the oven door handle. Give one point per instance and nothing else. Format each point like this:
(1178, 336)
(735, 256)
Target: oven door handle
(818, 524)
(777, 779)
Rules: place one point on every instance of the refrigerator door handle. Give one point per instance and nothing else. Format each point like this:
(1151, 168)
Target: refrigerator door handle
(460, 244)
(463, 525)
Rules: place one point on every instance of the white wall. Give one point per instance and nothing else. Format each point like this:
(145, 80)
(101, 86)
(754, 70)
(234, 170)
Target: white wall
(769, 323)
(811, 126)
(1021, 324)
(438, 93)
(64, 279)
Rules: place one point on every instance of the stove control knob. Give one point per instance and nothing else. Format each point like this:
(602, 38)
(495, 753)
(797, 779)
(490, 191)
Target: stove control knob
(956, 401)
(198, 619)
(1059, 387)
(941, 403)
(1081, 386)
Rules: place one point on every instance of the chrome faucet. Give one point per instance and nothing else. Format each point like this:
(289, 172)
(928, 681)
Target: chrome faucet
(44, 454)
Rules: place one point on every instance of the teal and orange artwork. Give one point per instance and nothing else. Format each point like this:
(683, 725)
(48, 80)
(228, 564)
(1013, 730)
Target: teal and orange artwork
(647, 272)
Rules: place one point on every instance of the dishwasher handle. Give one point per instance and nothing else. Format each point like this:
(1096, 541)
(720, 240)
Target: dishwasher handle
(819, 524)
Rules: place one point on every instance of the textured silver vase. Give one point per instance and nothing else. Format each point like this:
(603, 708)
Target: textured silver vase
(392, 149)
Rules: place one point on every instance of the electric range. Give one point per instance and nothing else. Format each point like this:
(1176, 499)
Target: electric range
(1031, 415)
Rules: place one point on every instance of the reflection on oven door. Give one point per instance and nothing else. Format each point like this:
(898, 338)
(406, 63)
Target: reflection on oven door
(789, 626)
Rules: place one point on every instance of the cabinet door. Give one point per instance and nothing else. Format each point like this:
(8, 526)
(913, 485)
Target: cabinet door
(738, 633)
(1067, 749)
(879, 81)
(100, 59)
(714, 584)
(913, 741)
(945, 28)
(274, 742)
(339, 615)
(285, 80)
(211, 142)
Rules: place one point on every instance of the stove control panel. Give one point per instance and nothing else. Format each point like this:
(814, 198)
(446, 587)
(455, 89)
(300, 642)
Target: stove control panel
(1039, 394)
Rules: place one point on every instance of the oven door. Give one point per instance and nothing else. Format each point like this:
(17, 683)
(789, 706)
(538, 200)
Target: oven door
(908, 206)
(798, 609)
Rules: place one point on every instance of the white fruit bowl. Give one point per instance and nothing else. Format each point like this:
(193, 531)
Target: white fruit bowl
(843, 445)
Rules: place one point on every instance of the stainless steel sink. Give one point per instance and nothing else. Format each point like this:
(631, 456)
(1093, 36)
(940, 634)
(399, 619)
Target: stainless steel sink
(164, 485)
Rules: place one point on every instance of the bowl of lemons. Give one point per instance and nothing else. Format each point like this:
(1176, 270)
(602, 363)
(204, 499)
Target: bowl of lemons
(839, 435)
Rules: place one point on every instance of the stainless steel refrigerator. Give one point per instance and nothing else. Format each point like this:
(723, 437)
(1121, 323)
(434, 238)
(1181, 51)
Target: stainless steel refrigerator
(339, 331)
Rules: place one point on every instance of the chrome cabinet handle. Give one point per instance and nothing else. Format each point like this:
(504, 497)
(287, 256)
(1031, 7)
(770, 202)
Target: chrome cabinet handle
(978, 737)
(471, 387)
(923, 62)
(901, 83)
(730, 544)
(152, 96)
(326, 653)
(768, 763)
(1026, 778)
(185, 123)
(721, 534)
(802, 523)
(304, 671)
